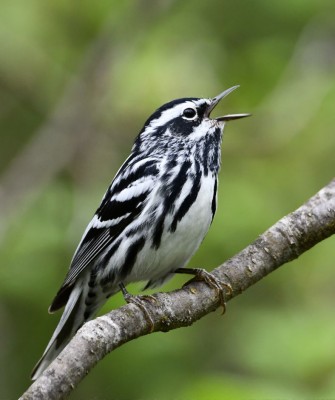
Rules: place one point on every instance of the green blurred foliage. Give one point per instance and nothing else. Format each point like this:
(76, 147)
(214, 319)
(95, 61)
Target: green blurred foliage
(93, 72)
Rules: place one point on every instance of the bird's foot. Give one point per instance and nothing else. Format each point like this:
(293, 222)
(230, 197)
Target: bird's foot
(201, 274)
(139, 300)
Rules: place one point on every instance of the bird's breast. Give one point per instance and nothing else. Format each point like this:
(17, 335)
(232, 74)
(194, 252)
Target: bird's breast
(181, 229)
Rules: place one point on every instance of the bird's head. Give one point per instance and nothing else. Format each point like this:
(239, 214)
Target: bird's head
(184, 120)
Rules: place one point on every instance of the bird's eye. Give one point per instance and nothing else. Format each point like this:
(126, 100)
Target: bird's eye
(189, 113)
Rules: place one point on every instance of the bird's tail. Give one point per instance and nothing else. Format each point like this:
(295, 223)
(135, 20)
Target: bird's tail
(71, 320)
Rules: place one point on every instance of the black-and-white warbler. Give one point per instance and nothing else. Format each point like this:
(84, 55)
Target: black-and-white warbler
(152, 218)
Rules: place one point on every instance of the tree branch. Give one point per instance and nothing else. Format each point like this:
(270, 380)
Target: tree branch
(283, 242)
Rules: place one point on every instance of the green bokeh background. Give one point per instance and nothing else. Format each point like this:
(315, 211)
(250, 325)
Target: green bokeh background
(77, 81)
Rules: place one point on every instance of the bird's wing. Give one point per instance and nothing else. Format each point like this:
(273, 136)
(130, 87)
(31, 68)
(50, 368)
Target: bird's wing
(122, 203)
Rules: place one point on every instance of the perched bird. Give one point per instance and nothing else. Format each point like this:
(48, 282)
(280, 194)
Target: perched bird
(152, 218)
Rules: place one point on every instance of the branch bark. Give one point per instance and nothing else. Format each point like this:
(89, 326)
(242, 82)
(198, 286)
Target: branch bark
(284, 241)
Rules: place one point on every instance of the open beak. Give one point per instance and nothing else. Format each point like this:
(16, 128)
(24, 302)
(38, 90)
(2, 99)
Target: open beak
(215, 101)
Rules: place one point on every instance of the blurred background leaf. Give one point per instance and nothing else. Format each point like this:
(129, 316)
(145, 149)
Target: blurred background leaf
(77, 81)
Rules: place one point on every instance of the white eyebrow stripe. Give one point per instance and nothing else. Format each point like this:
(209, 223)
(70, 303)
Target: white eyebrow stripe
(170, 114)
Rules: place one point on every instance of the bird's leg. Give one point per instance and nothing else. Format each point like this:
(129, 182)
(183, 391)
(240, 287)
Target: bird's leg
(139, 301)
(201, 274)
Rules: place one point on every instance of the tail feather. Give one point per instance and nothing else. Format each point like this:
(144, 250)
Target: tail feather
(61, 298)
(71, 320)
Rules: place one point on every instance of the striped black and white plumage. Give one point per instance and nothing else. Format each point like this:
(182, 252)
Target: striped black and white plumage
(152, 218)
